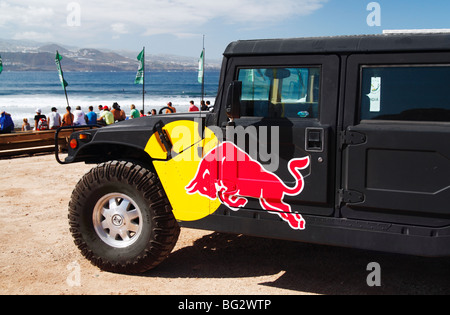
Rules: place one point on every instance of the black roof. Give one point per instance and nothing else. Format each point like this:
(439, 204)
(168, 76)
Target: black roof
(341, 44)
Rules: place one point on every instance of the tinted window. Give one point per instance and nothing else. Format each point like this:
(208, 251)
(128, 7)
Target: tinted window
(280, 92)
(415, 93)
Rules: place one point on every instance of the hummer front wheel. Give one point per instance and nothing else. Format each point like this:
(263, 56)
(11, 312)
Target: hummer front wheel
(121, 220)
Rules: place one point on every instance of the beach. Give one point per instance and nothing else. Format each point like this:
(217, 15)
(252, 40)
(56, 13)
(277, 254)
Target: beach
(38, 256)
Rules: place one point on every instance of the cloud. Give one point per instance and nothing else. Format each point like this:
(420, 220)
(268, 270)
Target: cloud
(119, 28)
(180, 18)
(36, 36)
(25, 15)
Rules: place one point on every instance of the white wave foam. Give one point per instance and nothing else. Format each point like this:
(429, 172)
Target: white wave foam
(24, 106)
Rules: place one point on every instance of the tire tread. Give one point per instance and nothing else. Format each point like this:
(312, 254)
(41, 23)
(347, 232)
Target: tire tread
(165, 228)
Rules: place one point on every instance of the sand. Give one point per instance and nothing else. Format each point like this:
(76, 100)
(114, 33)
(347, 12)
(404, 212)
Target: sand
(38, 256)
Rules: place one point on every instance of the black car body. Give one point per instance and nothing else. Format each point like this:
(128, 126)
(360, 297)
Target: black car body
(369, 116)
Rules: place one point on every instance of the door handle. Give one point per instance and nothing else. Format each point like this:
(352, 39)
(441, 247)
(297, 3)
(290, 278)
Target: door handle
(314, 139)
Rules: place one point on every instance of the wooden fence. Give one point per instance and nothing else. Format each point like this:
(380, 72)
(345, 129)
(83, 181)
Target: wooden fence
(29, 143)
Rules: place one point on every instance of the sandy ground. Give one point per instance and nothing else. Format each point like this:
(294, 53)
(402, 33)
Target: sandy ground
(37, 254)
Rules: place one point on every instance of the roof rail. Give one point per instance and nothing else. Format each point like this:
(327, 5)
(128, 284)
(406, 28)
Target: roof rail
(417, 31)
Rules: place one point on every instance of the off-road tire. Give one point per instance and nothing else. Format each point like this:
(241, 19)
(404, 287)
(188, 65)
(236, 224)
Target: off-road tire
(158, 229)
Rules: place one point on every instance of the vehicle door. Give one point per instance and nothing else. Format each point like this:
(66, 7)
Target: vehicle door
(288, 111)
(396, 153)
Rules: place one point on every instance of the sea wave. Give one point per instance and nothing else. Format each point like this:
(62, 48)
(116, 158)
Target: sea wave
(24, 106)
(21, 93)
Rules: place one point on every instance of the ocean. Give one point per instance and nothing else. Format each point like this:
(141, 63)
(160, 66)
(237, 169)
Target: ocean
(21, 93)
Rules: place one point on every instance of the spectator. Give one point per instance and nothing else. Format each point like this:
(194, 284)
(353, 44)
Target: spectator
(119, 115)
(37, 119)
(210, 108)
(26, 126)
(192, 107)
(67, 118)
(153, 112)
(80, 118)
(107, 117)
(134, 112)
(203, 106)
(171, 110)
(91, 116)
(100, 110)
(6, 123)
(54, 119)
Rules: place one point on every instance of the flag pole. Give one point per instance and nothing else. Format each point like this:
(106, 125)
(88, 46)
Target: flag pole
(1, 64)
(67, 98)
(63, 82)
(140, 76)
(203, 67)
(143, 82)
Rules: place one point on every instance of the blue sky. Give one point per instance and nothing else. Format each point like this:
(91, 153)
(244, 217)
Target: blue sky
(176, 26)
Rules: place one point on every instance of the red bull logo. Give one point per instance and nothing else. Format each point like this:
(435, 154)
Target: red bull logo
(230, 174)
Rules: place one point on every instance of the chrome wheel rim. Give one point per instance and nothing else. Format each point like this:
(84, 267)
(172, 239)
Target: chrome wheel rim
(117, 220)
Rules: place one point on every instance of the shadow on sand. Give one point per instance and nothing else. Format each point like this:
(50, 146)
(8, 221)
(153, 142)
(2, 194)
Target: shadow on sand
(305, 267)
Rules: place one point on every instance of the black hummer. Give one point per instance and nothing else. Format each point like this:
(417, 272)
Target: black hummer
(342, 141)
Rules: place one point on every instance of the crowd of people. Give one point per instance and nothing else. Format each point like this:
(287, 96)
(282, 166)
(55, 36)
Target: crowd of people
(104, 116)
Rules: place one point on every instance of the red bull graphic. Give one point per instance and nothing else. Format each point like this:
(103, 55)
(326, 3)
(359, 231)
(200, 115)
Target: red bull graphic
(230, 174)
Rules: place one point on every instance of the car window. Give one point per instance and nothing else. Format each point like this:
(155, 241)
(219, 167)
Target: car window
(406, 93)
(280, 92)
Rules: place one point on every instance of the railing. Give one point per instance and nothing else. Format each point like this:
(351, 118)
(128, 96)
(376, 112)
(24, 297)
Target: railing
(29, 143)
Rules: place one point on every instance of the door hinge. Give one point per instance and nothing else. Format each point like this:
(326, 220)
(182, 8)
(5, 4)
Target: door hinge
(349, 137)
(350, 196)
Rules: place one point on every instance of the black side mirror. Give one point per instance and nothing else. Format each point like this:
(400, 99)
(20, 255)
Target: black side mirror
(233, 104)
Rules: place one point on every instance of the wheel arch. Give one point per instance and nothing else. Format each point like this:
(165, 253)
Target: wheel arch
(97, 153)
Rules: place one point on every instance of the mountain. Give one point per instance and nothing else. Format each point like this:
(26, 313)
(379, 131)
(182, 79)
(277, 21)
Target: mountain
(34, 56)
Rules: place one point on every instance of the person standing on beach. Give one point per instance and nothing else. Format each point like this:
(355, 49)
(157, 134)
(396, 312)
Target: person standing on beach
(67, 118)
(54, 119)
(6, 123)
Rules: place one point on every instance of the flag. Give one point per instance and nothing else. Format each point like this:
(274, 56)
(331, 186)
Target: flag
(140, 73)
(60, 72)
(1, 64)
(201, 67)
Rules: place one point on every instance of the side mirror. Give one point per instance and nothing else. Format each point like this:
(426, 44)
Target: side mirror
(233, 104)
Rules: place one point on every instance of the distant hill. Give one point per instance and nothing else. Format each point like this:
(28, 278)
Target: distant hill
(33, 56)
